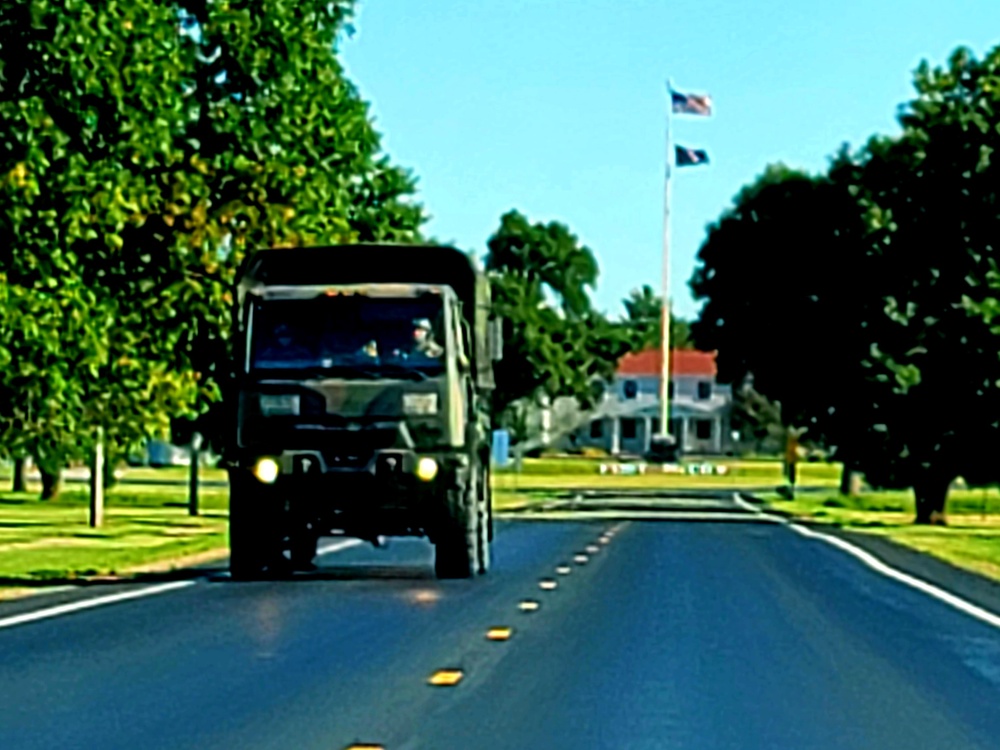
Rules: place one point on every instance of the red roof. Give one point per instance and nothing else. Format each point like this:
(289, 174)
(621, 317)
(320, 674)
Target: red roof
(682, 362)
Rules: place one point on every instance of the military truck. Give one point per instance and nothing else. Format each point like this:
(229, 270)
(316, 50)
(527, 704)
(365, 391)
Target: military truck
(360, 404)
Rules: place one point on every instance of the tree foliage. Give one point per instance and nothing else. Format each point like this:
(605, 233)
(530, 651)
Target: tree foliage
(644, 322)
(144, 148)
(863, 299)
(555, 341)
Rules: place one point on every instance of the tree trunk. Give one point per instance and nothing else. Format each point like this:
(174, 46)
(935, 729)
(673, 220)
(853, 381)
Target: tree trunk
(931, 492)
(846, 477)
(51, 483)
(110, 464)
(17, 485)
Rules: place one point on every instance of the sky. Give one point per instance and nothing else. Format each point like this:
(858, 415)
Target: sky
(558, 108)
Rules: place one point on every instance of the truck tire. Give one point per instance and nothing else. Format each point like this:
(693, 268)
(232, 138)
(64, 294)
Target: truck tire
(253, 542)
(303, 547)
(456, 549)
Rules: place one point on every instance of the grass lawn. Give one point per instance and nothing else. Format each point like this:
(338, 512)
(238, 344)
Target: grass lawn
(148, 525)
(971, 540)
(143, 527)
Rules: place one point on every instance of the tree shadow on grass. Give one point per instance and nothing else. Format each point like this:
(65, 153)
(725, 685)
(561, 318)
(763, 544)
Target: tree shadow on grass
(87, 579)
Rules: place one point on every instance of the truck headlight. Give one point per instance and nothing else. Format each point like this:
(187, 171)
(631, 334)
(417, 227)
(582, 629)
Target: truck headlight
(284, 404)
(266, 470)
(427, 468)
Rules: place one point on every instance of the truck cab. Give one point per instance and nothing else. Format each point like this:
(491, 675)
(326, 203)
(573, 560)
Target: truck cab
(360, 404)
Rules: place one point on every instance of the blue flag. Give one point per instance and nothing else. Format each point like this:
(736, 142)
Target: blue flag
(688, 156)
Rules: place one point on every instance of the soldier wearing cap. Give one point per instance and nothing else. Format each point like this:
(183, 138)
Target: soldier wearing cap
(423, 339)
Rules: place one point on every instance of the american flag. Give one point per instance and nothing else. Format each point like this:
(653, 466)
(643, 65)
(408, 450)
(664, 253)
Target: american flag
(691, 104)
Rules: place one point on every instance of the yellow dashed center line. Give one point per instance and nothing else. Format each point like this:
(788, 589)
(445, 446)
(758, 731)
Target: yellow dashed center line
(447, 677)
(498, 634)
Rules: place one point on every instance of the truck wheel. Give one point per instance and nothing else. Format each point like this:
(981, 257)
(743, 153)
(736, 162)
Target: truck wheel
(456, 553)
(303, 549)
(249, 542)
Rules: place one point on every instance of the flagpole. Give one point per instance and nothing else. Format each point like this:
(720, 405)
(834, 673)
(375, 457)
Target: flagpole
(665, 316)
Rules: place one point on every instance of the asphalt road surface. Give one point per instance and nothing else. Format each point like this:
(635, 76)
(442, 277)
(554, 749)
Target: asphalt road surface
(680, 634)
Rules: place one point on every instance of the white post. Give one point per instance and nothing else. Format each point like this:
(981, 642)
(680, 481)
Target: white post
(546, 405)
(665, 333)
(97, 482)
(616, 436)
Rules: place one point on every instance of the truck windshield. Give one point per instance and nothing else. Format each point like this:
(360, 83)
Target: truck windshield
(351, 336)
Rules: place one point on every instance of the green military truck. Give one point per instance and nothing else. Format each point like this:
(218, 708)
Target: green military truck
(360, 404)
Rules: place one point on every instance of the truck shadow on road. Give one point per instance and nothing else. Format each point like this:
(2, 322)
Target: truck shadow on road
(359, 572)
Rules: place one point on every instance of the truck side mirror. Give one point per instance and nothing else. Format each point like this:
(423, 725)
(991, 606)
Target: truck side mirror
(496, 339)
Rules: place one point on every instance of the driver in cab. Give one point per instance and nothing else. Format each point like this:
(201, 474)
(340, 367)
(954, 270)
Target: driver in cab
(423, 339)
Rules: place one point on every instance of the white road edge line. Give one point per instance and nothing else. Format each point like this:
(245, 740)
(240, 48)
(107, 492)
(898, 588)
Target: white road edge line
(161, 588)
(65, 609)
(952, 600)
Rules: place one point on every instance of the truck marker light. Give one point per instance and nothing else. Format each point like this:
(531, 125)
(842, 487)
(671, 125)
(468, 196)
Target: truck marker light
(266, 470)
(427, 468)
(498, 634)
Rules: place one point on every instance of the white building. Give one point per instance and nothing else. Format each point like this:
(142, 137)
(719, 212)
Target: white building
(629, 416)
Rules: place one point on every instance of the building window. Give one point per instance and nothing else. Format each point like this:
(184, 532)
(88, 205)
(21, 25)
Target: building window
(628, 429)
(704, 389)
(670, 389)
(597, 428)
(703, 429)
(654, 425)
(631, 389)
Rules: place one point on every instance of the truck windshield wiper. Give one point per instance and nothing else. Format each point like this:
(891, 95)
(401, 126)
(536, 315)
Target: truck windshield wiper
(350, 371)
(372, 372)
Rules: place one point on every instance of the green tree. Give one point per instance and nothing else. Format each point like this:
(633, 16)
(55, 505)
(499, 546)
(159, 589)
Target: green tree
(930, 200)
(644, 321)
(131, 225)
(554, 341)
(780, 276)
(877, 337)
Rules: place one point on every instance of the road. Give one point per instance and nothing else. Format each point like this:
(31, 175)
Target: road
(678, 634)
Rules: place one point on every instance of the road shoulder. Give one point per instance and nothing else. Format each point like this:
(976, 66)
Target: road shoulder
(974, 587)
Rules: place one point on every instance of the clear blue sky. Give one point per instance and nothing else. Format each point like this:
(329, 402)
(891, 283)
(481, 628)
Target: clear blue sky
(557, 107)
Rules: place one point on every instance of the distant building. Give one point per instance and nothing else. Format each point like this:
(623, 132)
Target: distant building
(629, 416)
